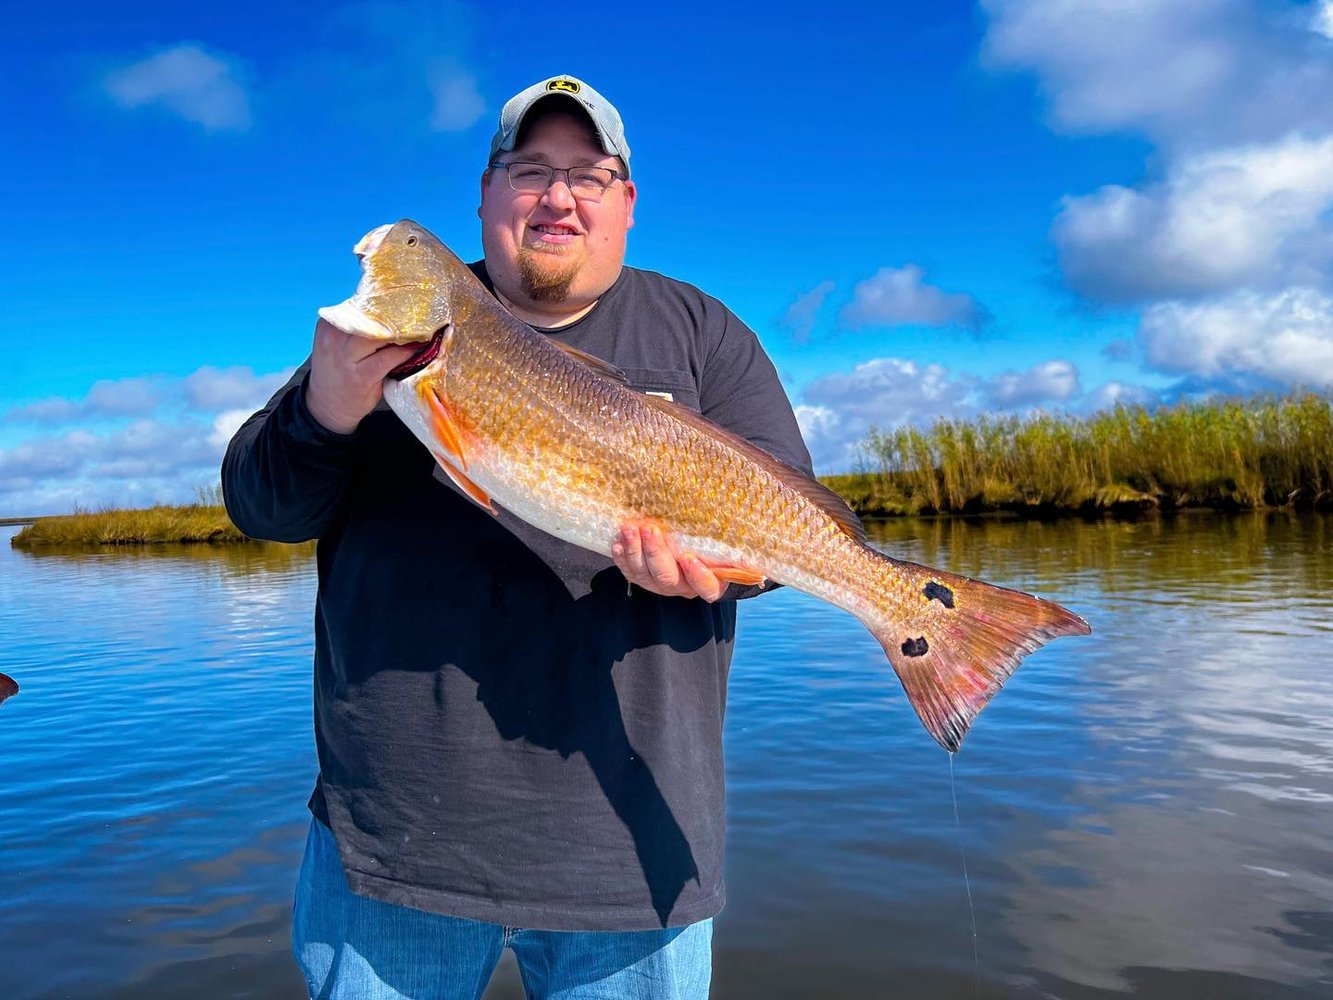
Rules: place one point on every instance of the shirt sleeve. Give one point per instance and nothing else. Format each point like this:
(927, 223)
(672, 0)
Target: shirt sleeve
(284, 475)
(739, 389)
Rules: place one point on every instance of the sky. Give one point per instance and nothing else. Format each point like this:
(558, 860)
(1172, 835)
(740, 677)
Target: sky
(923, 210)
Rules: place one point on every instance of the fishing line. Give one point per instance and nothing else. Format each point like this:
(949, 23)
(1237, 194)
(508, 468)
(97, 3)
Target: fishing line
(967, 882)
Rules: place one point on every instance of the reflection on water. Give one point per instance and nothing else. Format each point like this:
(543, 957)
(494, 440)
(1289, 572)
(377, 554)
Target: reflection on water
(1146, 811)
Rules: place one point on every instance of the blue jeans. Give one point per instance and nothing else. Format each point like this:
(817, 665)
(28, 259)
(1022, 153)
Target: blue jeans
(354, 947)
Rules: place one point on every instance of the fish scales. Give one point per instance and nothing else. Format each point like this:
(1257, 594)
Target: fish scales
(551, 435)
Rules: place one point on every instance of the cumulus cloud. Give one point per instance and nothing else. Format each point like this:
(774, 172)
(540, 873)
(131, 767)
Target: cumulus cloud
(146, 461)
(211, 388)
(127, 397)
(799, 319)
(1051, 381)
(839, 409)
(137, 440)
(898, 296)
(1285, 337)
(1252, 215)
(1193, 72)
(1322, 22)
(187, 80)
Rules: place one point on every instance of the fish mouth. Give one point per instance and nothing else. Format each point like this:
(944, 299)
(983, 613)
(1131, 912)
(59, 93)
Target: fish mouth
(422, 358)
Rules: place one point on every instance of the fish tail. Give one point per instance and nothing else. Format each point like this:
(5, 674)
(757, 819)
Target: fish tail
(959, 649)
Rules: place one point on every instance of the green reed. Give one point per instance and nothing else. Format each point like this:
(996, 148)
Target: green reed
(1259, 452)
(191, 523)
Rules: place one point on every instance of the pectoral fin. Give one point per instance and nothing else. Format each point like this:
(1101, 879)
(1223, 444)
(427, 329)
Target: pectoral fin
(448, 450)
(471, 489)
(736, 574)
(446, 431)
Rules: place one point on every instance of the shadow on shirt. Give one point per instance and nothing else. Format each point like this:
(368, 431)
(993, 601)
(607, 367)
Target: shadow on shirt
(549, 640)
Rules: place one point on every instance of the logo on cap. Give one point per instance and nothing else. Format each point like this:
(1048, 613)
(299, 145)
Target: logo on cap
(563, 86)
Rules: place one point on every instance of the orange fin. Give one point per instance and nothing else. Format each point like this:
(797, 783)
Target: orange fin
(794, 479)
(953, 658)
(473, 491)
(603, 368)
(737, 574)
(446, 433)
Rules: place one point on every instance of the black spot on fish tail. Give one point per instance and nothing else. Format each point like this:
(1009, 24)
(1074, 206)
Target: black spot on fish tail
(938, 592)
(915, 647)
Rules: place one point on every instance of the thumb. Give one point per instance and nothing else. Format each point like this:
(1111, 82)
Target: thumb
(387, 358)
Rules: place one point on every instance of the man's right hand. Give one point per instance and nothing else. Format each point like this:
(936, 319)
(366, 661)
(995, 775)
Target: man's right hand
(346, 375)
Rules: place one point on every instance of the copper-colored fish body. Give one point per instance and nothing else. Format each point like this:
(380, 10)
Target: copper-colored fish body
(556, 438)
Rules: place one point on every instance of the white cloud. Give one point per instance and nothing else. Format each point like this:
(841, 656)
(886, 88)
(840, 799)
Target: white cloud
(458, 105)
(1322, 22)
(1107, 395)
(225, 426)
(1184, 71)
(799, 319)
(1246, 215)
(137, 440)
(200, 87)
(1286, 337)
(206, 389)
(147, 461)
(211, 388)
(129, 397)
(1053, 381)
(898, 296)
(839, 409)
(832, 449)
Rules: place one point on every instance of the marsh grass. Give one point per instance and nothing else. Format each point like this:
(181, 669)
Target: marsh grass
(191, 523)
(1260, 452)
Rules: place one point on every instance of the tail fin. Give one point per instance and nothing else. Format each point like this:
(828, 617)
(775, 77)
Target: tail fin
(957, 657)
(8, 687)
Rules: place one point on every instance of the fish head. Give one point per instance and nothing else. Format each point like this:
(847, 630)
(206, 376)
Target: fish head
(406, 288)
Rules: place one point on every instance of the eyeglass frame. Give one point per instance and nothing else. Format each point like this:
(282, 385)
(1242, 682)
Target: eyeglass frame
(616, 175)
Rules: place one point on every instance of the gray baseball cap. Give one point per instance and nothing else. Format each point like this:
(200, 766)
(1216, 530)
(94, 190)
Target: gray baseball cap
(605, 118)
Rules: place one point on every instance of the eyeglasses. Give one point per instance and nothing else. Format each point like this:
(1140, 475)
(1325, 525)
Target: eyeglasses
(586, 183)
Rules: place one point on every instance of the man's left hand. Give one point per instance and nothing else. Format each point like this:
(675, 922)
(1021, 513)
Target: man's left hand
(643, 555)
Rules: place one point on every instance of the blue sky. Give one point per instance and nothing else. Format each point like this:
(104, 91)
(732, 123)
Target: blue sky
(924, 210)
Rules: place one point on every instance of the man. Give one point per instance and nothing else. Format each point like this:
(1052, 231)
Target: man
(515, 747)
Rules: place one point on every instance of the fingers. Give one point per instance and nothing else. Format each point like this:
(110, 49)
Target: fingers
(346, 374)
(701, 579)
(647, 559)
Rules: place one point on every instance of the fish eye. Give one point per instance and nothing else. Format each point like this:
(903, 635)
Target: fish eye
(411, 241)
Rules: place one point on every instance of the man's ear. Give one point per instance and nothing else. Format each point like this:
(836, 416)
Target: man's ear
(631, 193)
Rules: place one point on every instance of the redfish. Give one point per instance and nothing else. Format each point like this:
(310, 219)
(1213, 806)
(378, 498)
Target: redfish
(8, 687)
(559, 439)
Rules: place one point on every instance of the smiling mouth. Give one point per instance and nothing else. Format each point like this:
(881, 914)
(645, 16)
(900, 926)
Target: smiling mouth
(554, 230)
(422, 358)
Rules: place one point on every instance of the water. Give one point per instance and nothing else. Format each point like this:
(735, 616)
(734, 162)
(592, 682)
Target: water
(1145, 812)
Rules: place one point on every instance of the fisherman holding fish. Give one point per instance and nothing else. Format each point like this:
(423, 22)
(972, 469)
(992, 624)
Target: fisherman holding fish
(516, 747)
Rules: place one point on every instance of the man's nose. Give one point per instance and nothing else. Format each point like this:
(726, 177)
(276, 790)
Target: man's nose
(558, 194)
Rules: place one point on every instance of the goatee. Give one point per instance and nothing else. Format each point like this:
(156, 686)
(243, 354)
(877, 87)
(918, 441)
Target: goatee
(541, 282)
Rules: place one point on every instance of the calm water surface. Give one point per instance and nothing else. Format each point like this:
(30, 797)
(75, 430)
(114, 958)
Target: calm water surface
(1146, 812)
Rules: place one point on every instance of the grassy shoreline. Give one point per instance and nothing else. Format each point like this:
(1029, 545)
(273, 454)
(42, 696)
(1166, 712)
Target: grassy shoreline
(1221, 455)
(189, 524)
(1248, 454)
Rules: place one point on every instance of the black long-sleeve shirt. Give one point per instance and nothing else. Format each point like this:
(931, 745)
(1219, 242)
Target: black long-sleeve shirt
(506, 731)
